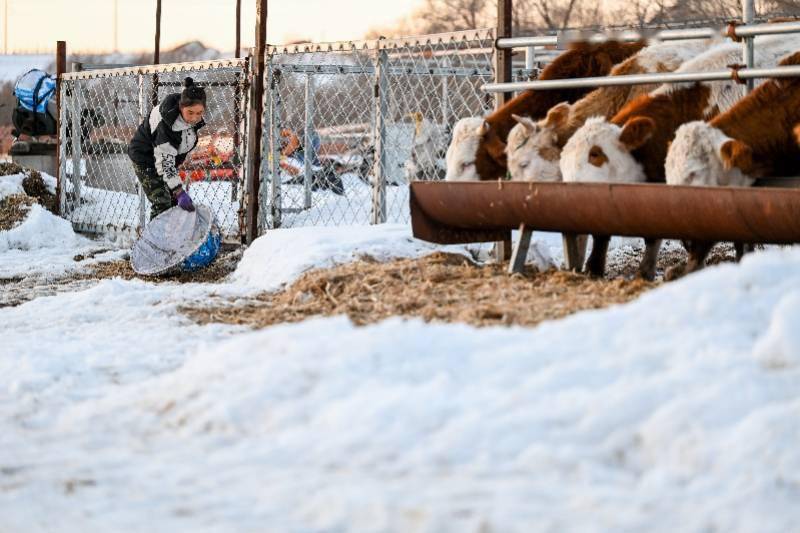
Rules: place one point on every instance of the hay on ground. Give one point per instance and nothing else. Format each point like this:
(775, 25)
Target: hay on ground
(13, 210)
(440, 287)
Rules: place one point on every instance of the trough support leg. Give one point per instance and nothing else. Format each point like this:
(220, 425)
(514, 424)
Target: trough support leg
(574, 250)
(502, 251)
(517, 263)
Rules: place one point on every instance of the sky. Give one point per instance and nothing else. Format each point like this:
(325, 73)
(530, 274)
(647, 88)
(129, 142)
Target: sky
(88, 25)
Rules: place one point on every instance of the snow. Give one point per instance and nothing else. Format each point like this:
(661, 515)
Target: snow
(11, 184)
(282, 255)
(42, 245)
(40, 229)
(676, 412)
(12, 66)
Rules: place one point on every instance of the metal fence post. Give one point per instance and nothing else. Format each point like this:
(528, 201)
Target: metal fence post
(748, 50)
(144, 111)
(61, 66)
(272, 155)
(381, 96)
(445, 94)
(75, 119)
(309, 151)
(62, 147)
(530, 57)
(502, 73)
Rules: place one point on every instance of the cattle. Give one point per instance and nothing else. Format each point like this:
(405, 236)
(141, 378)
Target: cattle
(632, 146)
(756, 138)
(534, 148)
(477, 149)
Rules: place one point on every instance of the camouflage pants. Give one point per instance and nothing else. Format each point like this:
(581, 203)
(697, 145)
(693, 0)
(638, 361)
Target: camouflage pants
(155, 189)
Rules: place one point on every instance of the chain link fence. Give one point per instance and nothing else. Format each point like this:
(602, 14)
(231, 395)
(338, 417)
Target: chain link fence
(349, 124)
(100, 111)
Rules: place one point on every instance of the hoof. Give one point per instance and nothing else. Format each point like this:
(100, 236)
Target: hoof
(647, 274)
(674, 272)
(593, 273)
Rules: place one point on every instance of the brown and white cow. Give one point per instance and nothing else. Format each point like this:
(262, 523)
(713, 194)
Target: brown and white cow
(754, 139)
(632, 146)
(534, 148)
(477, 149)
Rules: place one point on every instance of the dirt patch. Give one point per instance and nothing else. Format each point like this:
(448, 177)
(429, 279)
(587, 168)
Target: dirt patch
(17, 290)
(440, 287)
(9, 169)
(223, 265)
(13, 210)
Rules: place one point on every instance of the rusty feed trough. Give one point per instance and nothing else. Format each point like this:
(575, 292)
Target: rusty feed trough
(463, 212)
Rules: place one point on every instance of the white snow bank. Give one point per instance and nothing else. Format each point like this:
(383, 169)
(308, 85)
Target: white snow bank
(282, 255)
(40, 229)
(11, 184)
(665, 414)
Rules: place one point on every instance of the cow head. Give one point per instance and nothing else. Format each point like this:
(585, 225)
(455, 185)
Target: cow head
(601, 151)
(533, 148)
(703, 155)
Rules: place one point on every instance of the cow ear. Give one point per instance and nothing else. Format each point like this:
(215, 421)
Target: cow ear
(796, 132)
(527, 122)
(495, 146)
(736, 154)
(557, 116)
(636, 132)
(483, 129)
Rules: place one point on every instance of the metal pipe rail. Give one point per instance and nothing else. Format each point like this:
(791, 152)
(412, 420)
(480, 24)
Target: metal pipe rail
(642, 79)
(464, 212)
(233, 64)
(656, 35)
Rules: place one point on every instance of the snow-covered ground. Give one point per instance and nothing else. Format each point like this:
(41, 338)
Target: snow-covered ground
(677, 412)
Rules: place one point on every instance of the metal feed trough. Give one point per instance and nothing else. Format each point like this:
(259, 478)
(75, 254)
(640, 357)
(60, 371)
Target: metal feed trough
(463, 212)
(487, 211)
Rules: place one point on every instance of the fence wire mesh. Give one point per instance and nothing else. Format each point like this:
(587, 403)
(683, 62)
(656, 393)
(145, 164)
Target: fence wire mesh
(348, 125)
(100, 112)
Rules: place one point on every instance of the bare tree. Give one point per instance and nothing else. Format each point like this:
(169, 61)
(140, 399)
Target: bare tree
(453, 15)
(544, 15)
(529, 16)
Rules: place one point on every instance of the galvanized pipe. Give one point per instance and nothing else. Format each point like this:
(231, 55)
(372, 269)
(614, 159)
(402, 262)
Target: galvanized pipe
(381, 103)
(530, 57)
(634, 35)
(779, 28)
(748, 51)
(460, 212)
(309, 152)
(642, 79)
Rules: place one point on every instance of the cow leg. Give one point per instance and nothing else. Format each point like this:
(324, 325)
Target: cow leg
(647, 268)
(742, 249)
(698, 251)
(697, 256)
(574, 250)
(596, 265)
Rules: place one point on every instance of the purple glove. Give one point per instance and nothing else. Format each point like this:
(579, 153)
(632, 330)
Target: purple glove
(184, 201)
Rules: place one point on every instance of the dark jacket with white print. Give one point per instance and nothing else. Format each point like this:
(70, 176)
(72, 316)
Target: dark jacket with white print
(164, 140)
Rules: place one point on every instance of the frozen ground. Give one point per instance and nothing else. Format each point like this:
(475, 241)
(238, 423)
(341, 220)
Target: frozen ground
(677, 412)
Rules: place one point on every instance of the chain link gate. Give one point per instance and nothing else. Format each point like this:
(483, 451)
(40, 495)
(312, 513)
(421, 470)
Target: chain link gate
(100, 111)
(369, 116)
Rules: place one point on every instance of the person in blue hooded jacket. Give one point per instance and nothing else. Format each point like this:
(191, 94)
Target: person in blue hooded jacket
(161, 144)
